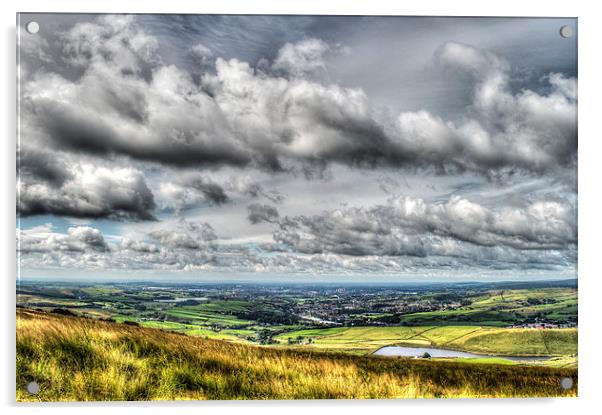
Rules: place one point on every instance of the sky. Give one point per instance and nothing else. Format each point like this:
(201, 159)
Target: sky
(325, 148)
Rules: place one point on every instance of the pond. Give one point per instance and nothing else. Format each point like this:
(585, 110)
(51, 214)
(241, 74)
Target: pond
(433, 352)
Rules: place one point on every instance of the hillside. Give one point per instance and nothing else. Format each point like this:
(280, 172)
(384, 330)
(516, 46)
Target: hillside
(477, 339)
(74, 358)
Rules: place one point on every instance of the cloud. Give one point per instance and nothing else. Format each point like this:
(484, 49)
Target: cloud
(83, 190)
(112, 38)
(303, 57)
(187, 244)
(411, 227)
(258, 213)
(519, 130)
(245, 185)
(121, 123)
(107, 113)
(78, 239)
(201, 50)
(129, 102)
(202, 54)
(37, 165)
(213, 192)
(35, 48)
(282, 121)
(187, 235)
(405, 235)
(190, 190)
(179, 251)
(137, 246)
(546, 224)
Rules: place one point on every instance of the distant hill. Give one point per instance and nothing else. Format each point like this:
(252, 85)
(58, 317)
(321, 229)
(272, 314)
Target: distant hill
(517, 285)
(75, 358)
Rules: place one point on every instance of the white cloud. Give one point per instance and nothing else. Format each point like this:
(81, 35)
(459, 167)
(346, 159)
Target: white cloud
(43, 239)
(303, 57)
(410, 226)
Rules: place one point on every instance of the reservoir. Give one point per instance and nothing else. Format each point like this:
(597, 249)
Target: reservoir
(420, 351)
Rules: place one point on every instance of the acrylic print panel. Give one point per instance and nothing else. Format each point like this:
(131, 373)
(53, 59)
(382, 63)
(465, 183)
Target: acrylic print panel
(296, 207)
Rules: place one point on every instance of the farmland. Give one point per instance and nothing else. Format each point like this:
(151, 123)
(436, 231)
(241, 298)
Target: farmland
(478, 339)
(312, 339)
(76, 358)
(504, 319)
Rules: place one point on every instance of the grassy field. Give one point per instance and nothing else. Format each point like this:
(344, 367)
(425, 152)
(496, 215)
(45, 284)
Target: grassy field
(463, 318)
(487, 340)
(74, 358)
(503, 307)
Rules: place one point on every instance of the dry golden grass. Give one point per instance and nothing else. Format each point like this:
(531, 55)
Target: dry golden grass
(83, 359)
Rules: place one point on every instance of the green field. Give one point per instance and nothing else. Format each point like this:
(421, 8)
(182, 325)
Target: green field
(486, 340)
(82, 359)
(503, 307)
(198, 315)
(466, 319)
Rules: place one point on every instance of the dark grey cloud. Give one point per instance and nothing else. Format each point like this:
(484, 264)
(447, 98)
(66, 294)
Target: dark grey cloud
(82, 190)
(258, 213)
(72, 128)
(193, 189)
(213, 192)
(37, 165)
(240, 116)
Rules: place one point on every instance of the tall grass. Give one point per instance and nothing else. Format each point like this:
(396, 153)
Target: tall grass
(82, 359)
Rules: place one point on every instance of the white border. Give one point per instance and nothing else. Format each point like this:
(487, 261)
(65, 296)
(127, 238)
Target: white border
(590, 175)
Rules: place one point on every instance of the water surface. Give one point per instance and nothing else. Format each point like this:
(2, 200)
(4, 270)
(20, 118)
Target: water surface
(433, 352)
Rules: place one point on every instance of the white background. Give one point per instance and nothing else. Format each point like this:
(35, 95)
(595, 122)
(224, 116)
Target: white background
(590, 178)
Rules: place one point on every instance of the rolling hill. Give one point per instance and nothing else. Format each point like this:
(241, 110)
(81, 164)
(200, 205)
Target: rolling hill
(74, 358)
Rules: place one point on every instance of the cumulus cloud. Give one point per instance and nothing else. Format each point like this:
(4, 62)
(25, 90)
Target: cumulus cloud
(296, 119)
(410, 226)
(188, 244)
(127, 102)
(258, 213)
(187, 235)
(191, 247)
(190, 190)
(521, 130)
(37, 165)
(538, 225)
(185, 244)
(203, 53)
(83, 190)
(114, 38)
(111, 129)
(137, 246)
(302, 57)
(43, 239)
